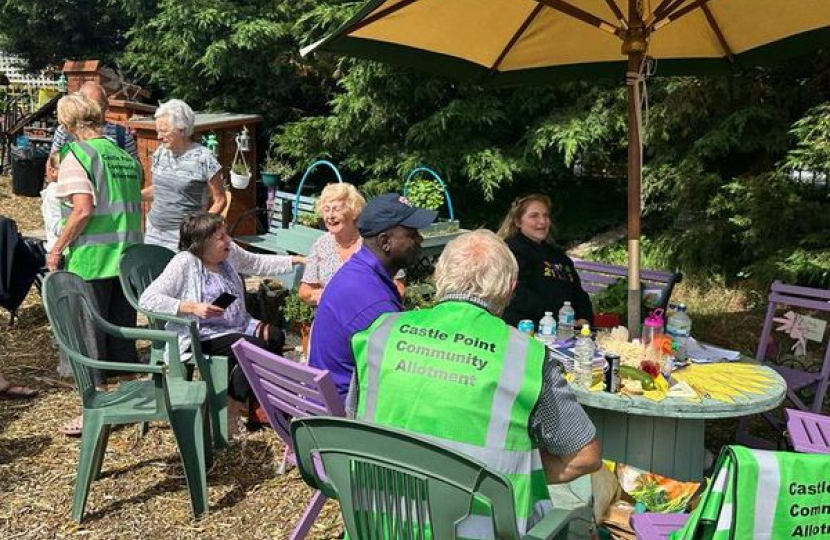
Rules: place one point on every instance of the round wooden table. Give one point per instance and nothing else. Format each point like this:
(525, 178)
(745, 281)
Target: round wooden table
(666, 437)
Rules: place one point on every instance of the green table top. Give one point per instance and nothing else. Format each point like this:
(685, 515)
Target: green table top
(673, 407)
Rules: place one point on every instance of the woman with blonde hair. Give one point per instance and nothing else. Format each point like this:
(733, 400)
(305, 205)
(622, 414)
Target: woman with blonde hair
(547, 276)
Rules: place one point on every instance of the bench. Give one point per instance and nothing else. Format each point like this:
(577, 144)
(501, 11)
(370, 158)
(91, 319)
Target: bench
(292, 239)
(597, 277)
(283, 235)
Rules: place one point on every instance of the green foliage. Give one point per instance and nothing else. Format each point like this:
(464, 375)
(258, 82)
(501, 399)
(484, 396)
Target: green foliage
(614, 299)
(425, 193)
(241, 168)
(273, 165)
(297, 311)
(310, 219)
(48, 32)
(419, 294)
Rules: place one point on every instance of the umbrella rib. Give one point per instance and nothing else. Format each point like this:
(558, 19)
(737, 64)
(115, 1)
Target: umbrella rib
(380, 14)
(617, 12)
(579, 14)
(671, 17)
(716, 28)
(515, 38)
(666, 7)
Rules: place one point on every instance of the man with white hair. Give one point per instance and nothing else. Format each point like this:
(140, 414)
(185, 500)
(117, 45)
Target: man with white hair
(114, 132)
(460, 376)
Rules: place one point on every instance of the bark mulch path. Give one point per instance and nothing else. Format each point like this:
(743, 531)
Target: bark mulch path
(142, 493)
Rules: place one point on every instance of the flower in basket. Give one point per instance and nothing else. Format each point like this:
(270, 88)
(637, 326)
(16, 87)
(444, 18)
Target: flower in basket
(425, 193)
(278, 168)
(241, 169)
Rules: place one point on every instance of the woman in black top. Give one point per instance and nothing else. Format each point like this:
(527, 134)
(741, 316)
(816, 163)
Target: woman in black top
(547, 277)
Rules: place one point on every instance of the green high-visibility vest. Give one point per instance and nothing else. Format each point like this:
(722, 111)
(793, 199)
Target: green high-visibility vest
(763, 495)
(115, 223)
(466, 380)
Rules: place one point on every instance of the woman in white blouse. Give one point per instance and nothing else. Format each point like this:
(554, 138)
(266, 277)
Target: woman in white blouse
(208, 265)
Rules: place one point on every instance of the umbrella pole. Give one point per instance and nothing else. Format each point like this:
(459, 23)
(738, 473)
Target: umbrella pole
(635, 157)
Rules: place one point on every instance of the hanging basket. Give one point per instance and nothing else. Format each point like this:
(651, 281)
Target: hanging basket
(240, 181)
(442, 226)
(270, 179)
(308, 172)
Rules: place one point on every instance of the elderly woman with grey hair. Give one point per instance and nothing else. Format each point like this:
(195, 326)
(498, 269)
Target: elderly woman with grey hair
(184, 175)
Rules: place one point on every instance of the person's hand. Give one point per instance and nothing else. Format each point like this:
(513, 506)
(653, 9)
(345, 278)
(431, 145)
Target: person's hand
(206, 311)
(51, 171)
(53, 260)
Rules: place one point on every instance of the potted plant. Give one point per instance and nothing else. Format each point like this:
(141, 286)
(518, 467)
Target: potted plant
(611, 305)
(273, 170)
(313, 219)
(300, 315)
(427, 193)
(240, 175)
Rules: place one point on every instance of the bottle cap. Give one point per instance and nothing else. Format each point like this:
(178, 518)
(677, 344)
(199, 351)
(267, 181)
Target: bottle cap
(586, 330)
(547, 313)
(655, 320)
(567, 302)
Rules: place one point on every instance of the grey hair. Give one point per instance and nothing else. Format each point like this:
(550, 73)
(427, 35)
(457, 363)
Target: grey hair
(179, 114)
(480, 264)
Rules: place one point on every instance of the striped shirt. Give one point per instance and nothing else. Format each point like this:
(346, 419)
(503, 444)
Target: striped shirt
(62, 137)
(180, 184)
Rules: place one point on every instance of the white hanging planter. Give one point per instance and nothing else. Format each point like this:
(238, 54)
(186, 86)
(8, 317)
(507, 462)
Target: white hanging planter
(240, 181)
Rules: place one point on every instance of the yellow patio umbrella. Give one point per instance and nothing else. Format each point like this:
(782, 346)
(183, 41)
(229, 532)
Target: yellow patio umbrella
(519, 42)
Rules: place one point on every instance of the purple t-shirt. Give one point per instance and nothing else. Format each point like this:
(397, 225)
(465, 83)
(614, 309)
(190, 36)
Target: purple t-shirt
(358, 293)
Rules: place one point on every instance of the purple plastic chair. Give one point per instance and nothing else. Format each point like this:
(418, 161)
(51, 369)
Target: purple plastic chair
(286, 389)
(654, 526)
(809, 432)
(791, 296)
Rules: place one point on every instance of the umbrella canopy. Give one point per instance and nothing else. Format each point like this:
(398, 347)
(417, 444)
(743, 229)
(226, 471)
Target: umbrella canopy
(519, 42)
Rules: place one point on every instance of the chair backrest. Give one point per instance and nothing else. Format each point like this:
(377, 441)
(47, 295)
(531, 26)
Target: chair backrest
(807, 298)
(286, 389)
(391, 484)
(140, 265)
(285, 201)
(67, 298)
(597, 277)
(809, 432)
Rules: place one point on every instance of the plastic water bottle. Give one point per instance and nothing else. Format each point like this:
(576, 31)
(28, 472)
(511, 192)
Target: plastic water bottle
(567, 315)
(679, 327)
(547, 328)
(583, 358)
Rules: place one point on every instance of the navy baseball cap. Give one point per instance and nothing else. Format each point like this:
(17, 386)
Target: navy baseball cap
(389, 210)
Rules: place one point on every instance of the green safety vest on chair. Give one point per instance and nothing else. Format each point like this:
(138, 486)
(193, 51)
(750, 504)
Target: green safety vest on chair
(115, 223)
(763, 495)
(466, 380)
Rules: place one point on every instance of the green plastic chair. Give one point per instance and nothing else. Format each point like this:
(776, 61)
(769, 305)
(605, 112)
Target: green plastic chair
(393, 485)
(165, 396)
(140, 265)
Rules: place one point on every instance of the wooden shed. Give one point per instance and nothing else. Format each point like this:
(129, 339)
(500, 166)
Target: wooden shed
(226, 127)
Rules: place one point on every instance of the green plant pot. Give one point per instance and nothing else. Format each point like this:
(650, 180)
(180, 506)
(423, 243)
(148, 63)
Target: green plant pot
(270, 179)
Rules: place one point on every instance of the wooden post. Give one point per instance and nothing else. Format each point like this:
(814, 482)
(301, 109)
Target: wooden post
(634, 46)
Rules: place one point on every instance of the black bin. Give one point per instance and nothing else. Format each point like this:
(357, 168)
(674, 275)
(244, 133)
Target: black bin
(28, 170)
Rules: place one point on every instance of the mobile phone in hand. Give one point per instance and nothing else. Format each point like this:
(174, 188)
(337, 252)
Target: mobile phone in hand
(224, 300)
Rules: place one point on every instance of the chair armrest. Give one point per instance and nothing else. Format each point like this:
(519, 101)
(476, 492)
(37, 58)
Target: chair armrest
(115, 366)
(171, 339)
(554, 523)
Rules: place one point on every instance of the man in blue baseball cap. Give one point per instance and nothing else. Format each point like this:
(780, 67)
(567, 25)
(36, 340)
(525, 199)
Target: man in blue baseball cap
(363, 288)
